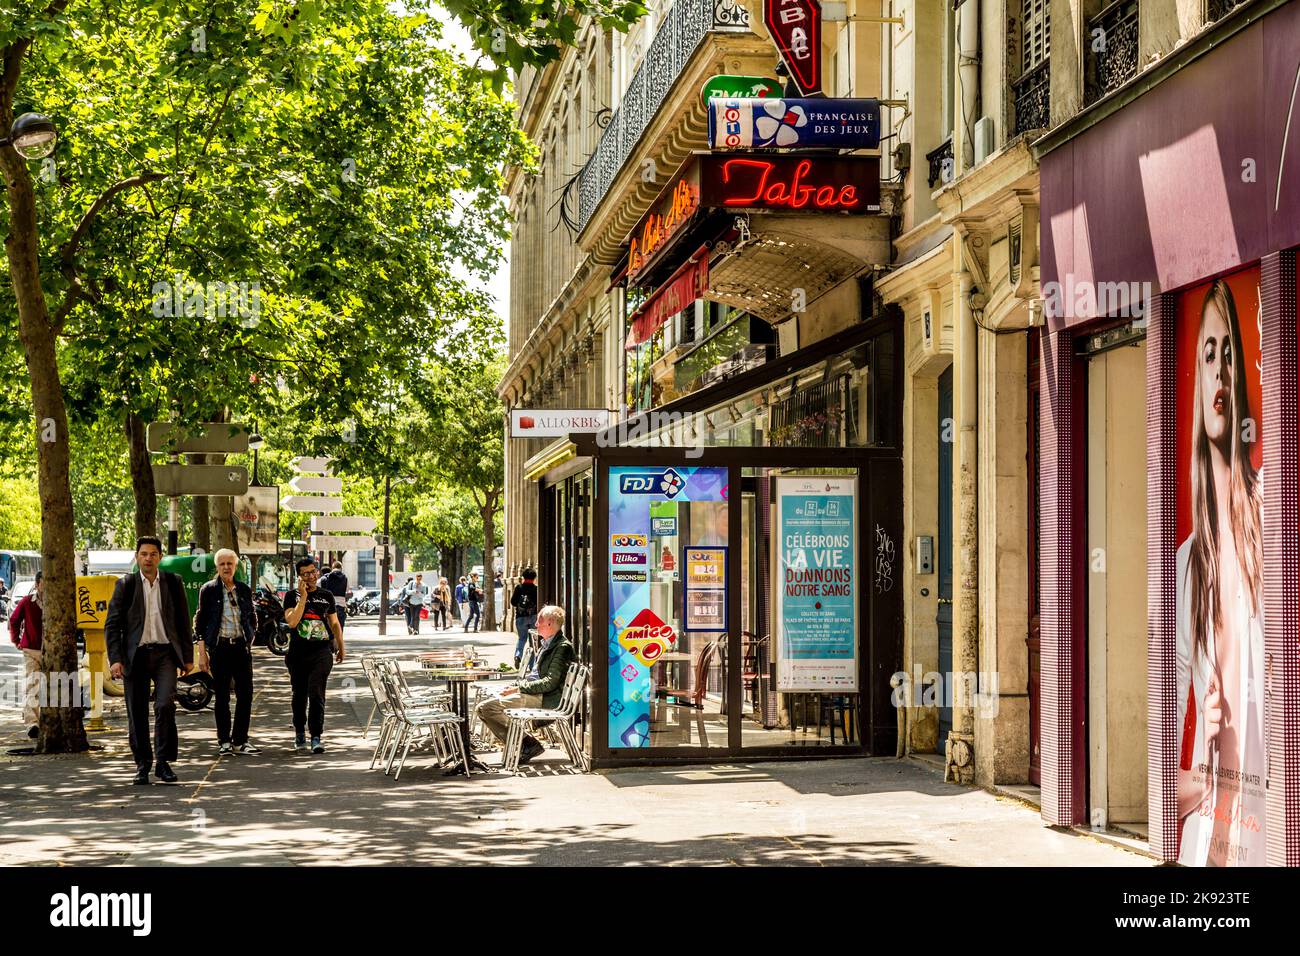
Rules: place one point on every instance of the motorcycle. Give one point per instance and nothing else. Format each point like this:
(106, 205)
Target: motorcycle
(272, 631)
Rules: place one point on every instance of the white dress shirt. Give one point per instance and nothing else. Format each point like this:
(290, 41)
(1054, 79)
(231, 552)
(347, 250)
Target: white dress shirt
(153, 633)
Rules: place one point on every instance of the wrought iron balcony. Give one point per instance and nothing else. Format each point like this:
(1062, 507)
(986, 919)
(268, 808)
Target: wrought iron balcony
(1112, 43)
(1218, 9)
(1033, 98)
(680, 34)
(937, 160)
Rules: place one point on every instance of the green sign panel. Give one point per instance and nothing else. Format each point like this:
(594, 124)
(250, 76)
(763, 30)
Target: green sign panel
(196, 571)
(740, 86)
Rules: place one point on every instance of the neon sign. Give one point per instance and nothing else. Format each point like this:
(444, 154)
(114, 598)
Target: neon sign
(659, 227)
(795, 26)
(757, 182)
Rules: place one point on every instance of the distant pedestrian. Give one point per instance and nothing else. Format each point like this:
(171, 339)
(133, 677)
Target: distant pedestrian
(524, 601)
(413, 596)
(315, 624)
(224, 628)
(474, 595)
(25, 632)
(149, 639)
(336, 582)
(441, 602)
(460, 598)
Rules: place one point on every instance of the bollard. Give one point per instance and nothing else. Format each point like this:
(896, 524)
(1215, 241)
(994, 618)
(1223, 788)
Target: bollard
(93, 594)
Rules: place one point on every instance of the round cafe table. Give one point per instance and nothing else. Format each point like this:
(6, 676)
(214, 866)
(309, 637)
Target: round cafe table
(458, 680)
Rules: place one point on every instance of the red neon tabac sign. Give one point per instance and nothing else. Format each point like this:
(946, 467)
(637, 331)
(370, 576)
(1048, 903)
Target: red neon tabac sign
(796, 28)
(790, 182)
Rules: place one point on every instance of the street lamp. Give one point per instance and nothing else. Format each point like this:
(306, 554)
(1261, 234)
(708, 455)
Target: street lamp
(388, 553)
(255, 442)
(32, 136)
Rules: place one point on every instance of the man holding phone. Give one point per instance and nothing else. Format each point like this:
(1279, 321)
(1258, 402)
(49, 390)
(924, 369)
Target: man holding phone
(315, 647)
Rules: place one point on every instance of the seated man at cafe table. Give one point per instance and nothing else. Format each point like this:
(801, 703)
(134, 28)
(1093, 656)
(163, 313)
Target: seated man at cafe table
(540, 687)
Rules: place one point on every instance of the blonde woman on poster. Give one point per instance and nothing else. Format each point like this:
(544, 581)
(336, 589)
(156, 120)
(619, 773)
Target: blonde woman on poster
(1220, 609)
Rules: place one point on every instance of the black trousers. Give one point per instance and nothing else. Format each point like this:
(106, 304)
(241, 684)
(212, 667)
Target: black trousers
(439, 617)
(475, 618)
(232, 661)
(154, 663)
(309, 663)
(413, 617)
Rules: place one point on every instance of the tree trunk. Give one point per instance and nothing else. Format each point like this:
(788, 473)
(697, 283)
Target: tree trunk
(142, 487)
(61, 728)
(202, 527)
(488, 512)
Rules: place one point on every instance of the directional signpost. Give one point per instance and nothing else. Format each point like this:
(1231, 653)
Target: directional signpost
(316, 504)
(317, 484)
(340, 524)
(174, 479)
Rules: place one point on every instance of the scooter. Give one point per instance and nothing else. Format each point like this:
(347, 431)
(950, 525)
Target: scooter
(272, 630)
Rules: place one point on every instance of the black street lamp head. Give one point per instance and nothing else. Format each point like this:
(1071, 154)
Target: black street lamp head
(33, 136)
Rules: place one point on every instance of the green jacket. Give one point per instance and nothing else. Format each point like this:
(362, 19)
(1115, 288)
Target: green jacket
(552, 669)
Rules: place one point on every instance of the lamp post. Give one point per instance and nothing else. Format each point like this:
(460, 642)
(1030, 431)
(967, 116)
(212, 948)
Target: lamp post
(255, 442)
(388, 554)
(32, 136)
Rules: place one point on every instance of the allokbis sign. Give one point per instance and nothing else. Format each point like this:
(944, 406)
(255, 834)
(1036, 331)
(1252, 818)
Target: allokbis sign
(796, 28)
(557, 422)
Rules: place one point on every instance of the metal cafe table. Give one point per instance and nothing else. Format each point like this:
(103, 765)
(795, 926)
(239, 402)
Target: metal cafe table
(458, 680)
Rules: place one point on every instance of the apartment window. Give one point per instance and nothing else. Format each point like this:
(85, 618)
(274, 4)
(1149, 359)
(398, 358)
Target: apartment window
(1037, 32)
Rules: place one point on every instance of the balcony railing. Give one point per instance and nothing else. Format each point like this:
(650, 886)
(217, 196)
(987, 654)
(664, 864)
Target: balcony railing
(1033, 98)
(681, 32)
(1218, 9)
(1112, 43)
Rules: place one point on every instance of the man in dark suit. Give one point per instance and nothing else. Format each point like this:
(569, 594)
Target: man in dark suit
(149, 640)
(224, 626)
(542, 686)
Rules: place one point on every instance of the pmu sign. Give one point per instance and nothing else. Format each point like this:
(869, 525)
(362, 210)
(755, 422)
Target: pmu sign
(796, 28)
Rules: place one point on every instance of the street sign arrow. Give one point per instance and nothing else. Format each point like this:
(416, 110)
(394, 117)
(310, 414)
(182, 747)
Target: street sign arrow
(339, 523)
(175, 480)
(319, 466)
(317, 484)
(342, 542)
(208, 437)
(319, 504)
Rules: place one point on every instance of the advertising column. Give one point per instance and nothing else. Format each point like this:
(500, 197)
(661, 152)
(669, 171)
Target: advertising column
(817, 585)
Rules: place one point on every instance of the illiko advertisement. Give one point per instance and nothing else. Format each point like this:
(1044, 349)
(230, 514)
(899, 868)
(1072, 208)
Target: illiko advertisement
(1220, 582)
(817, 585)
(638, 633)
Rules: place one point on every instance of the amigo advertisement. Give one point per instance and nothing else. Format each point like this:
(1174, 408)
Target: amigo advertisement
(637, 635)
(762, 123)
(1222, 758)
(816, 585)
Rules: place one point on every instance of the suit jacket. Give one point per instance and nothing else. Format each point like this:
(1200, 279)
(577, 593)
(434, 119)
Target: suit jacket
(125, 623)
(552, 669)
(207, 620)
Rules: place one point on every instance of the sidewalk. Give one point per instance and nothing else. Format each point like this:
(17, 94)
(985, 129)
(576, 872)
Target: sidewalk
(286, 809)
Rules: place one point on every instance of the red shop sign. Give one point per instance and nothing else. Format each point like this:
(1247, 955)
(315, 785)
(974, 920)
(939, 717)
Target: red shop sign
(687, 284)
(796, 28)
(790, 182)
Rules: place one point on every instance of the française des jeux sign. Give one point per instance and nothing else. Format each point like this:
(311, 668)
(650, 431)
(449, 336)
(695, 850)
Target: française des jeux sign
(667, 220)
(755, 123)
(790, 182)
(796, 28)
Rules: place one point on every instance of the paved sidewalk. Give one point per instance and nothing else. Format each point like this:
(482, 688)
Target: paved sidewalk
(286, 809)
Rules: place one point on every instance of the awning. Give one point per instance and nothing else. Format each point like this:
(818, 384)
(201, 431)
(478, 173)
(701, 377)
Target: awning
(688, 283)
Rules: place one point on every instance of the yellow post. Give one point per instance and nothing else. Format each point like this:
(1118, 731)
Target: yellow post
(93, 594)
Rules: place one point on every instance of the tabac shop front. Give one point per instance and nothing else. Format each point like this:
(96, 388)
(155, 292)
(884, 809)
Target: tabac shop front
(745, 523)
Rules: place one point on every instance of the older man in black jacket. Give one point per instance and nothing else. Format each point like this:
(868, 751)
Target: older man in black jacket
(224, 628)
(149, 640)
(542, 686)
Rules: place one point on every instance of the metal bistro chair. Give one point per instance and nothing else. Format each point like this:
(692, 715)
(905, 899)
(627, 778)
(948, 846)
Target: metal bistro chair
(440, 727)
(421, 697)
(524, 719)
